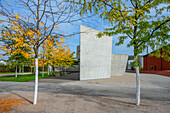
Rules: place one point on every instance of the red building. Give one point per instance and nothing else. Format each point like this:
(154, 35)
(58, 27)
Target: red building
(153, 63)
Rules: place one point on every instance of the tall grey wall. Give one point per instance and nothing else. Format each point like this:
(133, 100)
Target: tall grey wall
(95, 54)
(119, 62)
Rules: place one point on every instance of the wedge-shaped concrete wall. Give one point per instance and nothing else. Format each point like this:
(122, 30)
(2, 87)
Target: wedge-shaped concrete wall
(119, 62)
(95, 54)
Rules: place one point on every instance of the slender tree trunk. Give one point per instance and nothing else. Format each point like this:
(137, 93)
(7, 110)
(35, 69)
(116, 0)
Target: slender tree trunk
(36, 56)
(48, 69)
(137, 86)
(31, 69)
(22, 69)
(53, 71)
(43, 70)
(16, 72)
(19, 69)
(36, 81)
(137, 83)
(65, 70)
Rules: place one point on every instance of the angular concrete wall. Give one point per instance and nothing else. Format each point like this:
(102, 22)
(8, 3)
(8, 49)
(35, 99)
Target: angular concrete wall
(119, 62)
(95, 54)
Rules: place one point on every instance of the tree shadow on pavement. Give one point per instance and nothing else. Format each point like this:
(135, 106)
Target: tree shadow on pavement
(21, 97)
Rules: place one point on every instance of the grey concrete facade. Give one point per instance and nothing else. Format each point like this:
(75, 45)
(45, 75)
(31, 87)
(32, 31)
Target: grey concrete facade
(95, 54)
(78, 53)
(118, 66)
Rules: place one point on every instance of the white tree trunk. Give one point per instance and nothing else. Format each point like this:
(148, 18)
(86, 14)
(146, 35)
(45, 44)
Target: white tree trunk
(43, 70)
(22, 69)
(19, 69)
(137, 86)
(36, 81)
(16, 72)
(48, 69)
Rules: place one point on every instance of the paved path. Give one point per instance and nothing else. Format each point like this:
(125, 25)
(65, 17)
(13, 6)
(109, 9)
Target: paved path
(154, 87)
(157, 80)
(14, 74)
(163, 72)
(17, 74)
(114, 95)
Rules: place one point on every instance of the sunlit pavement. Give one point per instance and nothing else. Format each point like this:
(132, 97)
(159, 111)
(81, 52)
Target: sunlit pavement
(153, 87)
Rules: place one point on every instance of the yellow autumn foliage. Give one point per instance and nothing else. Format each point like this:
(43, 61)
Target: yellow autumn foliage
(58, 55)
(16, 34)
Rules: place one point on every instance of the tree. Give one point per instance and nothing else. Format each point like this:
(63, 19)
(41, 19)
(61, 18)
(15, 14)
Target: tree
(42, 59)
(17, 58)
(162, 52)
(31, 64)
(39, 22)
(144, 22)
(57, 54)
(68, 60)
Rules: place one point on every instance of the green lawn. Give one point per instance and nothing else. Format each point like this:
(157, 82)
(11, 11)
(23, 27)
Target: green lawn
(22, 78)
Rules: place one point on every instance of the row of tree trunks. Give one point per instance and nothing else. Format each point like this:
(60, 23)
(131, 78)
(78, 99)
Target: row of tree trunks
(19, 70)
(31, 70)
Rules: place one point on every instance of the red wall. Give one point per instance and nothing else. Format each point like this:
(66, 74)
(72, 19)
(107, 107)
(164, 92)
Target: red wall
(165, 64)
(152, 61)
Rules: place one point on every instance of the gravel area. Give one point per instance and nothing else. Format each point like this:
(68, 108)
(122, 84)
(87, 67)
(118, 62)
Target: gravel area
(66, 103)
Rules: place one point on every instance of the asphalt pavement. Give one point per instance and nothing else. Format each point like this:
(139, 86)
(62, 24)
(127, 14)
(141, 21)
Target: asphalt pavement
(155, 87)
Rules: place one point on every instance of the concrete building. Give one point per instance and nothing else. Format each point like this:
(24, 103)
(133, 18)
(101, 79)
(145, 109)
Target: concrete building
(78, 53)
(96, 58)
(118, 65)
(95, 54)
(154, 63)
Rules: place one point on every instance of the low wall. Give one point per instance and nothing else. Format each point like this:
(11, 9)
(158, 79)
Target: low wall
(118, 64)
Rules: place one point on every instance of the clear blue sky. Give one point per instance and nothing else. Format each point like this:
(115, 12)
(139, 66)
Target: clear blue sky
(98, 24)
(93, 22)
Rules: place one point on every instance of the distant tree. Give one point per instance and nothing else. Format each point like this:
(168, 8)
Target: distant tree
(43, 60)
(18, 55)
(57, 54)
(17, 60)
